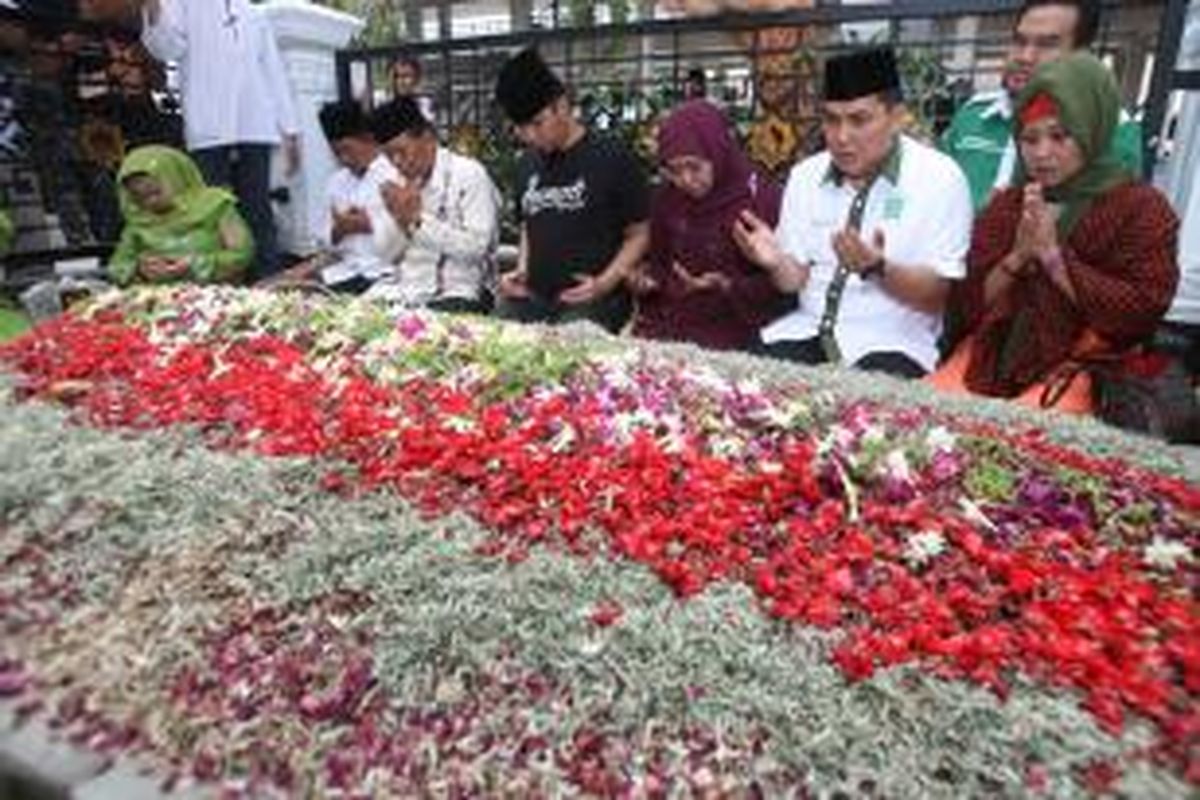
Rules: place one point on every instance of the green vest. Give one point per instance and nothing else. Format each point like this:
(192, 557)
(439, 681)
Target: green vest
(981, 132)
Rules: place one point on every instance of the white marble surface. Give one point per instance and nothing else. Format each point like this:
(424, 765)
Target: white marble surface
(309, 37)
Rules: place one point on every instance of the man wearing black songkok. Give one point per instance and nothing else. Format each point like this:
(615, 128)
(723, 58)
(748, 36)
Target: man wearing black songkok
(871, 234)
(581, 201)
(352, 226)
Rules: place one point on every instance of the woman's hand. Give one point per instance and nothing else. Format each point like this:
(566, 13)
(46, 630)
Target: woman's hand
(640, 281)
(1037, 231)
(1043, 224)
(704, 282)
(159, 268)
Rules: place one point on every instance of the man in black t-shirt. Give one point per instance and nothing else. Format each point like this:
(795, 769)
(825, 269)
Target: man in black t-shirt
(581, 203)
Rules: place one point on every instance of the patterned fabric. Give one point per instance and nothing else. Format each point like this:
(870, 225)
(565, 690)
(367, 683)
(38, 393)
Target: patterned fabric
(833, 297)
(1121, 259)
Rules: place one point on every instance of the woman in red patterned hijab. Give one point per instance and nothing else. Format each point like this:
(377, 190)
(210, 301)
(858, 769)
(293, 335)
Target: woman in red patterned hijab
(1078, 258)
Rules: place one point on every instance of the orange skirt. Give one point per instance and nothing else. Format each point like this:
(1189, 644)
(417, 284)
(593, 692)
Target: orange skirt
(951, 377)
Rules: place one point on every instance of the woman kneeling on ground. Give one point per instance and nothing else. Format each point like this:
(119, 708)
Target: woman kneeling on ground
(1077, 260)
(697, 286)
(176, 227)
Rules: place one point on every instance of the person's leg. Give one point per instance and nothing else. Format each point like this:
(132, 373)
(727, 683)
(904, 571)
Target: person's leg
(458, 305)
(892, 363)
(215, 164)
(610, 312)
(528, 310)
(252, 185)
(1181, 340)
(807, 351)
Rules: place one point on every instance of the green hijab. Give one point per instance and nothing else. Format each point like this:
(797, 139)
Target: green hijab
(195, 203)
(1089, 107)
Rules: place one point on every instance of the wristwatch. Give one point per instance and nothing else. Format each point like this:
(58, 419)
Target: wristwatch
(878, 269)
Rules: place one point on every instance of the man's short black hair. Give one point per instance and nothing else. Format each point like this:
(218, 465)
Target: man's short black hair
(344, 119)
(1087, 24)
(400, 117)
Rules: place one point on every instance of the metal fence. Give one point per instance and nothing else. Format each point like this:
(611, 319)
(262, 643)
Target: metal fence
(73, 98)
(62, 98)
(763, 68)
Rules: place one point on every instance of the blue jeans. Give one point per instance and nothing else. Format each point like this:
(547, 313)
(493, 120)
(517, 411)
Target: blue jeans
(245, 169)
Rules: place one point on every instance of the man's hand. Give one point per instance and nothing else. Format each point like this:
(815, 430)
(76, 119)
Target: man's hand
(153, 10)
(514, 285)
(587, 289)
(352, 221)
(291, 154)
(403, 202)
(704, 282)
(856, 254)
(757, 241)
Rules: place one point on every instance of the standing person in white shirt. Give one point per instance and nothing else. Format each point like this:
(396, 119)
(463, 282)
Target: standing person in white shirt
(237, 106)
(447, 215)
(871, 233)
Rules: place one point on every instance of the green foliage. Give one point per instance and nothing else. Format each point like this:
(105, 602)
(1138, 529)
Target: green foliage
(384, 20)
(926, 85)
(993, 476)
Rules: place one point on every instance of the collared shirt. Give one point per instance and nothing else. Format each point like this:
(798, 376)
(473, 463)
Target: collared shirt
(922, 206)
(449, 253)
(980, 139)
(367, 254)
(235, 89)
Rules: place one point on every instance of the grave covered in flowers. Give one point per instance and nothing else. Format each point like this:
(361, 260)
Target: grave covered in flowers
(279, 545)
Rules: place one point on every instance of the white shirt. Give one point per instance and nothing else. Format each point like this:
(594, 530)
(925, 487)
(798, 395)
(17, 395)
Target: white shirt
(925, 217)
(450, 253)
(235, 90)
(367, 254)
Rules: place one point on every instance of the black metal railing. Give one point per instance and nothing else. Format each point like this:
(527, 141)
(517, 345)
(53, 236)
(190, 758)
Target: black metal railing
(624, 76)
(74, 96)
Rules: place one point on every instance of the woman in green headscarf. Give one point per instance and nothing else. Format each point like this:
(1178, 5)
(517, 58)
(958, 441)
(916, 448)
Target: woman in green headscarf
(176, 227)
(1077, 259)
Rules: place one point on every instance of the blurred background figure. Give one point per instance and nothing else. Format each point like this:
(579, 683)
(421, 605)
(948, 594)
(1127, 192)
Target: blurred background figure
(406, 82)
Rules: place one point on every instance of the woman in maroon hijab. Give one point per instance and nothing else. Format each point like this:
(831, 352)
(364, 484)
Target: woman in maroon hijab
(697, 286)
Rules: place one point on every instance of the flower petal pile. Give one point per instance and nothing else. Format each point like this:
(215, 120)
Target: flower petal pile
(568, 501)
